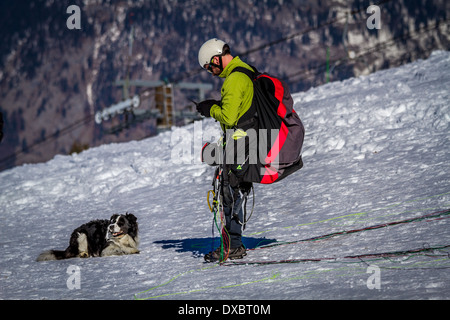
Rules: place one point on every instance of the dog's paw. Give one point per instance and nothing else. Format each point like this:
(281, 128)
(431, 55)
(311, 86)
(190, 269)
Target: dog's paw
(84, 254)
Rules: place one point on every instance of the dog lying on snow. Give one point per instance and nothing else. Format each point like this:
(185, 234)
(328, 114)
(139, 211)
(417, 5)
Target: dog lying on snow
(116, 236)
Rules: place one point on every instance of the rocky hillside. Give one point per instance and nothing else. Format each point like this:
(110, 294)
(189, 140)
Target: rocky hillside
(53, 79)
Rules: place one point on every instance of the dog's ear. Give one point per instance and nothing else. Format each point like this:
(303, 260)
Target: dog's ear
(131, 217)
(133, 224)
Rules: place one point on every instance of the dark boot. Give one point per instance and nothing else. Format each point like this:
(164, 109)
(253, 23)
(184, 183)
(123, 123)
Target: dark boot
(217, 255)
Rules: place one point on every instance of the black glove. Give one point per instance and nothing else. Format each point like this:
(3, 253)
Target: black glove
(204, 107)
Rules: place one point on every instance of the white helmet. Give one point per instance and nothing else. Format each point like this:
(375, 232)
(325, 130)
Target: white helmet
(209, 49)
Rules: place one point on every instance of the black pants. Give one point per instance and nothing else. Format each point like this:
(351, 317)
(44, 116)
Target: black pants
(233, 207)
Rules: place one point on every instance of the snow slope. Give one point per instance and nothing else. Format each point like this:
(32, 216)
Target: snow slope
(376, 151)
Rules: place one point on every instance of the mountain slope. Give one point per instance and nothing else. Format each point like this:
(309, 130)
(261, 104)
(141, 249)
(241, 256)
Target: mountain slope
(376, 153)
(54, 79)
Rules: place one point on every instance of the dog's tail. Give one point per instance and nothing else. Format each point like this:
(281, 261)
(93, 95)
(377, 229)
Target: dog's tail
(54, 255)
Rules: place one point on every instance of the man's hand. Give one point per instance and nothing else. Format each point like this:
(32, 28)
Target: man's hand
(204, 107)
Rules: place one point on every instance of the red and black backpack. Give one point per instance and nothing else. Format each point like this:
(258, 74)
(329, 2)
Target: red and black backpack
(279, 133)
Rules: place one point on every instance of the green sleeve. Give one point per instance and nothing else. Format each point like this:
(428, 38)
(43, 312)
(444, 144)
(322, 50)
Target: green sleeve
(235, 91)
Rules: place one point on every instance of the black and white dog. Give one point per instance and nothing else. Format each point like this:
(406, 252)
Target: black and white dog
(116, 236)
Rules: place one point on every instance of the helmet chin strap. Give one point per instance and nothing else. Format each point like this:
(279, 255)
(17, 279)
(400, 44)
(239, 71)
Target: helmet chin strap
(221, 64)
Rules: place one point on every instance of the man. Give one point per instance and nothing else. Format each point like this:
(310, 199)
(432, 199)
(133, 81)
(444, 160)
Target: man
(236, 98)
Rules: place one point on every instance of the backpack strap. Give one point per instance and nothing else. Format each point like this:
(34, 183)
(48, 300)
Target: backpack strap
(251, 74)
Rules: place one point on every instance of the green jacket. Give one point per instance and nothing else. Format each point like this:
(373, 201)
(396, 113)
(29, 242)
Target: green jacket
(237, 95)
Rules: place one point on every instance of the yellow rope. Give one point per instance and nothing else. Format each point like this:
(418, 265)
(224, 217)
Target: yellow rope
(207, 198)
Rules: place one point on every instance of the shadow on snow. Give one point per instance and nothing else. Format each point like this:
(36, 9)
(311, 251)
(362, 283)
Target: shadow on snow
(201, 246)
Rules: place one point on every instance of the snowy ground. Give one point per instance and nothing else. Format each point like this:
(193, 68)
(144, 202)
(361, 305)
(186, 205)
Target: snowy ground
(376, 151)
